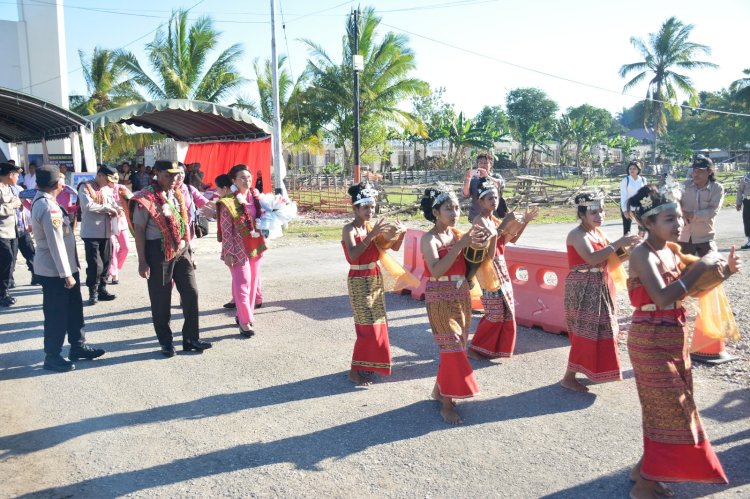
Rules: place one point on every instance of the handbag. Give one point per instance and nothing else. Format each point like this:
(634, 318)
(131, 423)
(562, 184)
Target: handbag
(200, 223)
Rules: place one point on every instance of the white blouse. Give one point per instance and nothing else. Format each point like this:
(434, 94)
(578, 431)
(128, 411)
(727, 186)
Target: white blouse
(628, 188)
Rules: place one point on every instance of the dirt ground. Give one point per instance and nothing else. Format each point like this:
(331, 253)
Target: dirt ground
(275, 415)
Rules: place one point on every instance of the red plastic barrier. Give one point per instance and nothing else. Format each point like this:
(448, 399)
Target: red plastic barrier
(414, 263)
(540, 297)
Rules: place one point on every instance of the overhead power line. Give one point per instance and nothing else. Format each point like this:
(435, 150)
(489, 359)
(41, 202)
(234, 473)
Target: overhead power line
(558, 77)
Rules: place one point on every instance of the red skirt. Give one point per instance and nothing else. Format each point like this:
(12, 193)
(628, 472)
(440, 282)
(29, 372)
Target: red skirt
(681, 462)
(496, 332)
(449, 312)
(372, 351)
(591, 319)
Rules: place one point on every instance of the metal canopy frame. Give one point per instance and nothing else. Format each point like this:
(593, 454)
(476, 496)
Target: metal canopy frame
(25, 118)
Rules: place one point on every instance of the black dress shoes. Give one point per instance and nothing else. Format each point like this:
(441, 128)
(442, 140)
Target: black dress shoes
(105, 295)
(85, 352)
(230, 304)
(58, 364)
(259, 304)
(195, 345)
(7, 301)
(167, 350)
(247, 334)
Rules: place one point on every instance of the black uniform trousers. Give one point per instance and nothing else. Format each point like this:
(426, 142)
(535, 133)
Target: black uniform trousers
(180, 269)
(98, 258)
(746, 216)
(63, 314)
(627, 222)
(8, 248)
(27, 249)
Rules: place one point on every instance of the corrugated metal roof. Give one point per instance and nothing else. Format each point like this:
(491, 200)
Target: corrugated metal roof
(25, 118)
(186, 120)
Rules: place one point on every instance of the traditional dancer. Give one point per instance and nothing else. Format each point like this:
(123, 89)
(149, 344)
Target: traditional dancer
(120, 244)
(496, 332)
(363, 245)
(590, 311)
(242, 244)
(447, 297)
(675, 446)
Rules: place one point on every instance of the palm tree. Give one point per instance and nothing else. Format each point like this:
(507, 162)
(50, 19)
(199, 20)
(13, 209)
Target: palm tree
(741, 87)
(384, 84)
(109, 85)
(295, 135)
(179, 55)
(666, 51)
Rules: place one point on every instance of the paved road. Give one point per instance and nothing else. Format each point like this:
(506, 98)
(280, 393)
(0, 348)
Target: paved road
(275, 415)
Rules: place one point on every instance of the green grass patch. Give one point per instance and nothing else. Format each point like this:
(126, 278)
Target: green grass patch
(314, 232)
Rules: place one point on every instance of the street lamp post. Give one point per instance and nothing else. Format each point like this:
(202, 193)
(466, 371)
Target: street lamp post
(357, 65)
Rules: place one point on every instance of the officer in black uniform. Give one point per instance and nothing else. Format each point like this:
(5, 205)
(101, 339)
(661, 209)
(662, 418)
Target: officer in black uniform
(56, 267)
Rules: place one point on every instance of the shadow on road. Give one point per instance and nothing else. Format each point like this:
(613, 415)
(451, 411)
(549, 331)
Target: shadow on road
(307, 451)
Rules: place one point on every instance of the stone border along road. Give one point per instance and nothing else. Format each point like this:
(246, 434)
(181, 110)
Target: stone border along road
(276, 416)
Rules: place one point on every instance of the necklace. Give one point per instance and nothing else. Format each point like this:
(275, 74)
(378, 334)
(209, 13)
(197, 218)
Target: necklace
(667, 268)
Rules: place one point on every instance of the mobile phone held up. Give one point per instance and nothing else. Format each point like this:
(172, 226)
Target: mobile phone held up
(475, 172)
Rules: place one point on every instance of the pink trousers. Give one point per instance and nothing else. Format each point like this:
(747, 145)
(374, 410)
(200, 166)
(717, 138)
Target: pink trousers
(120, 250)
(244, 287)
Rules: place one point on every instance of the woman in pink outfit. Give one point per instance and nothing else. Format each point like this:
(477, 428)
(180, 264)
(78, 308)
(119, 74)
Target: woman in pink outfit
(120, 245)
(242, 243)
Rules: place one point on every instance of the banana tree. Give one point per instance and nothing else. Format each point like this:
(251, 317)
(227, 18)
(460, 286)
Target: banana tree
(463, 133)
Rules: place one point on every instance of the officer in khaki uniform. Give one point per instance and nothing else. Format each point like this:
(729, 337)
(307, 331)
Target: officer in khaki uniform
(9, 203)
(56, 267)
(743, 203)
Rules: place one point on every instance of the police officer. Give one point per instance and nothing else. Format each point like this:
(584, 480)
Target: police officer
(9, 203)
(743, 203)
(56, 267)
(162, 238)
(98, 211)
(25, 241)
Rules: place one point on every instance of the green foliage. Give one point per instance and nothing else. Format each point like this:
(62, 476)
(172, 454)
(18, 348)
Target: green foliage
(384, 84)
(463, 133)
(531, 115)
(179, 56)
(633, 117)
(741, 88)
(666, 52)
(333, 168)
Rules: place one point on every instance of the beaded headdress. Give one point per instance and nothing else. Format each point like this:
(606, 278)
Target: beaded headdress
(367, 195)
(595, 203)
(485, 187)
(440, 194)
(670, 194)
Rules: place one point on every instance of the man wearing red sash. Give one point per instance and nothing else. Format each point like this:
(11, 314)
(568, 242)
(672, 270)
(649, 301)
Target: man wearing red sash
(158, 217)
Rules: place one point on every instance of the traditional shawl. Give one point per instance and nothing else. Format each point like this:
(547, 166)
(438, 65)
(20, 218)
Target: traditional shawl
(172, 222)
(94, 191)
(252, 239)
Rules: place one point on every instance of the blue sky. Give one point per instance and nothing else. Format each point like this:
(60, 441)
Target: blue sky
(582, 40)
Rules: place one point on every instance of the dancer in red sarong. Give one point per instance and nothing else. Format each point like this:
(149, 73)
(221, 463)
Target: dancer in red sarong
(590, 311)
(675, 446)
(363, 243)
(496, 332)
(447, 297)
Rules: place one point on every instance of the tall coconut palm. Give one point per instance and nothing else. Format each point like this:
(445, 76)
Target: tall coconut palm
(109, 85)
(666, 52)
(295, 134)
(179, 55)
(384, 83)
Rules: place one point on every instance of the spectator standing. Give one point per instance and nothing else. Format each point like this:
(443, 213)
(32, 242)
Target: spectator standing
(472, 179)
(628, 188)
(700, 203)
(29, 180)
(743, 203)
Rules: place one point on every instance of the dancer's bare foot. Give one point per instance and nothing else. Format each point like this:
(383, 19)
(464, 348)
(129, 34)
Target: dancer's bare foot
(646, 489)
(357, 378)
(473, 354)
(449, 413)
(436, 395)
(570, 382)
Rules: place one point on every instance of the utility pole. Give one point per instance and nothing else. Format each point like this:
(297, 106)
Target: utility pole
(357, 65)
(279, 170)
